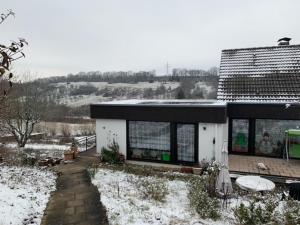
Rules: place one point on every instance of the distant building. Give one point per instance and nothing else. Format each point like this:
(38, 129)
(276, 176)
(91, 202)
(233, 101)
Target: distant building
(186, 72)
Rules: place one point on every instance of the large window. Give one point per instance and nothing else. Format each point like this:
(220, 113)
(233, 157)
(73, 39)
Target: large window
(240, 135)
(270, 136)
(149, 140)
(266, 137)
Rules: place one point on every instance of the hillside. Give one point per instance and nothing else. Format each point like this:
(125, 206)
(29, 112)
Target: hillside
(74, 93)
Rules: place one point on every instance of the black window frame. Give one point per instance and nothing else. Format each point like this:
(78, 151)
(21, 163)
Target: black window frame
(251, 136)
(196, 137)
(173, 144)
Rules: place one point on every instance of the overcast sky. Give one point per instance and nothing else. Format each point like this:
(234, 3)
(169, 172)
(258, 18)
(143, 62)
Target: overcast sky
(69, 36)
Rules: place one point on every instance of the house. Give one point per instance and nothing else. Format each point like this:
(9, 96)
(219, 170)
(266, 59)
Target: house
(258, 95)
(169, 131)
(262, 88)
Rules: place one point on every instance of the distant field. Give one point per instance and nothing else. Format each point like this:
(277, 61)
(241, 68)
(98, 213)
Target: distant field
(104, 91)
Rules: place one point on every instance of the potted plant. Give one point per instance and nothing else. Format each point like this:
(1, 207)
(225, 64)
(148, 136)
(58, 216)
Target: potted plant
(68, 155)
(74, 149)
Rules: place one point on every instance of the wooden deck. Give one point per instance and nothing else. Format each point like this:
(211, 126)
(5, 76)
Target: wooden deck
(275, 167)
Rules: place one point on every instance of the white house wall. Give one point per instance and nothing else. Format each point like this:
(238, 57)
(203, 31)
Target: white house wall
(108, 130)
(211, 137)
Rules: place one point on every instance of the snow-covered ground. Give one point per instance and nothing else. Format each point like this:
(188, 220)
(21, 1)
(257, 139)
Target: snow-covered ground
(24, 193)
(48, 150)
(129, 208)
(37, 146)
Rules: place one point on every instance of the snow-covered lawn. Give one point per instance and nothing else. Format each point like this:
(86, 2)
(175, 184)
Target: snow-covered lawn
(48, 150)
(38, 146)
(127, 207)
(24, 193)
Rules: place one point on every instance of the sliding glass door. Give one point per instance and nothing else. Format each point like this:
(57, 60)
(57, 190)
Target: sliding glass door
(185, 136)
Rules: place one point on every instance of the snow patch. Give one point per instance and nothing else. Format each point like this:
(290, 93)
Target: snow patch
(24, 193)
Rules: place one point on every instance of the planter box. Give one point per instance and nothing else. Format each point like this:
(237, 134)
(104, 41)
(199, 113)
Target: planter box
(69, 156)
(186, 170)
(197, 170)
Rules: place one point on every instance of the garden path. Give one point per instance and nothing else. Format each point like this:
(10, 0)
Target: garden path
(76, 200)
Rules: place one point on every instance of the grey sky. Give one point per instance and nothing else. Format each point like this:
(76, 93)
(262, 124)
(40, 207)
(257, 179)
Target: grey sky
(68, 36)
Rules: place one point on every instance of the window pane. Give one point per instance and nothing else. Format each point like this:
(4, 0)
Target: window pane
(186, 142)
(270, 137)
(240, 129)
(149, 140)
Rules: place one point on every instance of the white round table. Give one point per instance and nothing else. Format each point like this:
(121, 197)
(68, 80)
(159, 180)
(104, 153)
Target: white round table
(255, 183)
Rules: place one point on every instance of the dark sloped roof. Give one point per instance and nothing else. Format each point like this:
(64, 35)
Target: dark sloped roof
(260, 74)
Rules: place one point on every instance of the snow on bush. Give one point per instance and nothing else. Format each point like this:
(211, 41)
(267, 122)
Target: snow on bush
(270, 209)
(24, 193)
(205, 205)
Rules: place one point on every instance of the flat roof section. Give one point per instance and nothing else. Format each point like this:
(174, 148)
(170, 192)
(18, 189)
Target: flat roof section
(181, 111)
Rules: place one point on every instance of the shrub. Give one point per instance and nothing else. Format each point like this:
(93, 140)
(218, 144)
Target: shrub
(256, 212)
(51, 131)
(200, 201)
(211, 172)
(65, 130)
(87, 129)
(92, 171)
(292, 212)
(155, 189)
(110, 154)
(29, 160)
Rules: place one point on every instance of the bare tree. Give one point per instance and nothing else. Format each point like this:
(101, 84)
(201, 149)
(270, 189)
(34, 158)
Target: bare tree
(22, 111)
(8, 54)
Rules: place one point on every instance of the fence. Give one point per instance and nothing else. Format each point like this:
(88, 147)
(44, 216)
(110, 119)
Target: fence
(85, 143)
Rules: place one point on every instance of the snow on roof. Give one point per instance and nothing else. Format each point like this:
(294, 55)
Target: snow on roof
(166, 102)
(260, 74)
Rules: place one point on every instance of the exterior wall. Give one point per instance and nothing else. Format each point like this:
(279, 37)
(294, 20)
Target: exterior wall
(211, 140)
(211, 137)
(109, 129)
